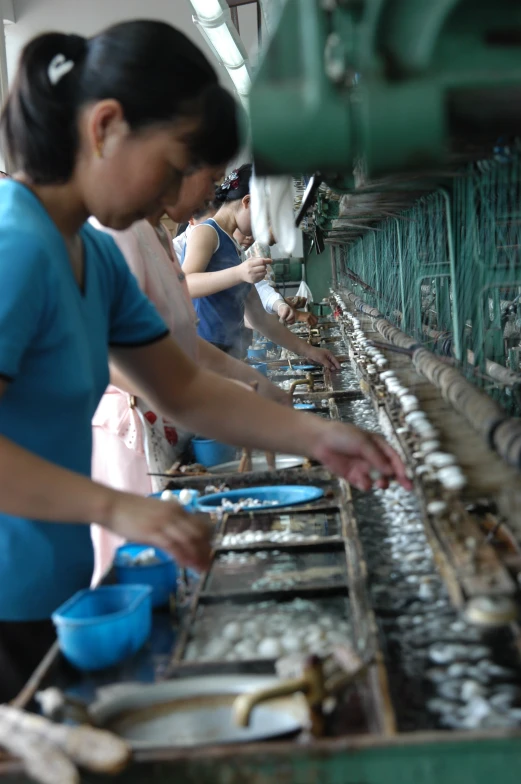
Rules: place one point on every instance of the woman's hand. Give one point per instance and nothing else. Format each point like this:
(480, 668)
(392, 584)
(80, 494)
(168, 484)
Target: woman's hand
(272, 392)
(253, 270)
(163, 524)
(323, 357)
(285, 313)
(307, 318)
(360, 457)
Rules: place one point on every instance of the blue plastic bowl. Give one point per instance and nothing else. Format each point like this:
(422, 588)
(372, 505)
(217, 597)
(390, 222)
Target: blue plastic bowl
(161, 577)
(300, 368)
(100, 628)
(284, 495)
(158, 495)
(209, 452)
(261, 367)
(257, 353)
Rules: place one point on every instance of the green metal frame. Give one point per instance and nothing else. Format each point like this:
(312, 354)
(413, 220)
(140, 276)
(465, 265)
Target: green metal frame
(465, 244)
(471, 759)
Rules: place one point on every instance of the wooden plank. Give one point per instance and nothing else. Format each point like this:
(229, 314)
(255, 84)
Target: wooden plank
(314, 545)
(309, 591)
(468, 564)
(476, 563)
(180, 648)
(381, 718)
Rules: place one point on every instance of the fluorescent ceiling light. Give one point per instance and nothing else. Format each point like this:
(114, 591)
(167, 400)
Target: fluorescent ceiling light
(214, 21)
(225, 46)
(241, 79)
(209, 10)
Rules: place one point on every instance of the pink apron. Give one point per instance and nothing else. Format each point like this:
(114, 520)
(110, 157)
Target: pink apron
(118, 458)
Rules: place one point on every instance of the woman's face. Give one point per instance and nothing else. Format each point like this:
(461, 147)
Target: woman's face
(196, 191)
(243, 217)
(127, 176)
(244, 241)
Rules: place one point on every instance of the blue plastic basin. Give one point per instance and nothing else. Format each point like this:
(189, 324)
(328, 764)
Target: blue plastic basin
(257, 353)
(261, 367)
(158, 495)
(161, 577)
(209, 452)
(300, 368)
(284, 495)
(100, 628)
(304, 406)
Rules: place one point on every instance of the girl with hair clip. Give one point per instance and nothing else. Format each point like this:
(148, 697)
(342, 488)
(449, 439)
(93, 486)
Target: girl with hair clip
(223, 287)
(208, 210)
(90, 131)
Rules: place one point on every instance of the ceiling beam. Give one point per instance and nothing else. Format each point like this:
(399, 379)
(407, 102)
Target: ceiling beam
(234, 12)
(7, 11)
(237, 3)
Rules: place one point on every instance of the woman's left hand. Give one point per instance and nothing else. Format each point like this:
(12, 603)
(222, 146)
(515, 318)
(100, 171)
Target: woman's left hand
(286, 314)
(275, 393)
(360, 457)
(323, 357)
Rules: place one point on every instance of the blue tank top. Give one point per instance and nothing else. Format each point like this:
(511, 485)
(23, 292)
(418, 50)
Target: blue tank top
(221, 315)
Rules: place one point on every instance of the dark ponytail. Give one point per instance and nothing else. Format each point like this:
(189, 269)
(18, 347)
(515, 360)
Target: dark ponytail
(154, 71)
(38, 121)
(236, 185)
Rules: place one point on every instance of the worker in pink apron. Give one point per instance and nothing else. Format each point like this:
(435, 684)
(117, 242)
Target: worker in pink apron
(130, 440)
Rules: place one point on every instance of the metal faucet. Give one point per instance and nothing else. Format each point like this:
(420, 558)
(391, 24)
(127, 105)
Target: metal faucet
(319, 679)
(245, 464)
(309, 381)
(311, 684)
(314, 336)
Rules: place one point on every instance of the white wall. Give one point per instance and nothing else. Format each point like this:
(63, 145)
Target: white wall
(87, 17)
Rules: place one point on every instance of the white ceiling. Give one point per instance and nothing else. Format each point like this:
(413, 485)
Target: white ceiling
(86, 17)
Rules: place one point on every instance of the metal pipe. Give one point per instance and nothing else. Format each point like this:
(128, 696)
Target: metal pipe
(311, 684)
(457, 327)
(334, 277)
(309, 381)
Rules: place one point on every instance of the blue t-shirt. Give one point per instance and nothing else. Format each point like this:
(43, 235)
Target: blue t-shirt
(54, 343)
(221, 315)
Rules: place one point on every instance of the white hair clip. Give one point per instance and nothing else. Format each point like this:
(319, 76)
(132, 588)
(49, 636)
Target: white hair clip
(58, 68)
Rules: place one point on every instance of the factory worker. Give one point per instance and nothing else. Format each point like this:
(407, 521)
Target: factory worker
(90, 130)
(125, 426)
(199, 216)
(223, 287)
(271, 299)
(272, 302)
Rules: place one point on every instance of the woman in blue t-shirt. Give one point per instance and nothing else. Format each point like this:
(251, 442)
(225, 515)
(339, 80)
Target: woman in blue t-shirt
(222, 285)
(89, 129)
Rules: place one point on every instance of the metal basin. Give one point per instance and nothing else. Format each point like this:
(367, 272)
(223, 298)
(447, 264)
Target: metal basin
(259, 464)
(194, 712)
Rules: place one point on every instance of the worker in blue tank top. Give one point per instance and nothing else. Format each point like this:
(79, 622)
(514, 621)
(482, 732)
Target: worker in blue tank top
(223, 286)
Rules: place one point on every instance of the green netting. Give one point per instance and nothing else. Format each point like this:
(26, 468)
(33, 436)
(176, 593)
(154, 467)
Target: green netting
(448, 270)
(487, 232)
